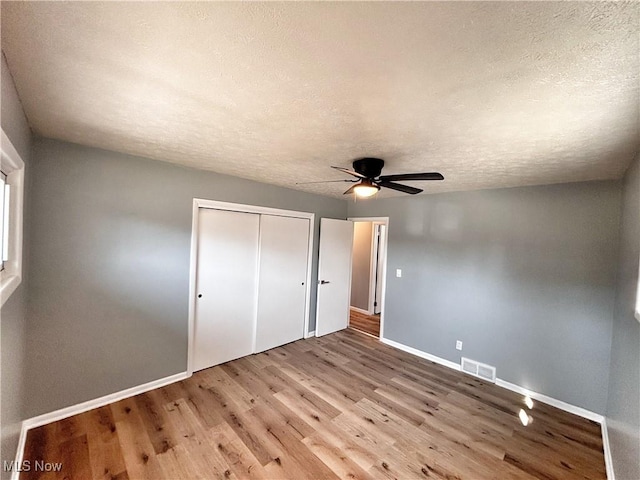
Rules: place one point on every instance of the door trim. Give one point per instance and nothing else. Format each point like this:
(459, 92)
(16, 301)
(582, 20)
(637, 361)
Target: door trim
(377, 263)
(199, 203)
(385, 238)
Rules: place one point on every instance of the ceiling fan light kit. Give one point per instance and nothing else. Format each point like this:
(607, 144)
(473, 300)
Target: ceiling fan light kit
(368, 170)
(365, 189)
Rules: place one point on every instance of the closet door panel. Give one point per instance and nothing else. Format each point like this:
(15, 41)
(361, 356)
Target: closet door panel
(226, 286)
(284, 244)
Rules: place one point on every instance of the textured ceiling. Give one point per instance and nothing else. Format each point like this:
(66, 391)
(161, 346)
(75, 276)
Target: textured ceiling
(490, 94)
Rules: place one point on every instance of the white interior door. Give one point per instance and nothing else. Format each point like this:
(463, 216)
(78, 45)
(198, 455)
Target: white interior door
(282, 293)
(226, 286)
(334, 275)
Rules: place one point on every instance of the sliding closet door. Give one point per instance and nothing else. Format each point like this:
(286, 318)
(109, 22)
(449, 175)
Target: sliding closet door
(284, 244)
(226, 286)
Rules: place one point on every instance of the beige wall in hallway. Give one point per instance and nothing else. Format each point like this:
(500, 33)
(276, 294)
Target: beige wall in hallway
(361, 274)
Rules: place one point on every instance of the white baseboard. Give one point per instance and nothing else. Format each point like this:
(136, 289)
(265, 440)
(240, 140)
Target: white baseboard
(421, 354)
(567, 407)
(15, 474)
(608, 460)
(130, 392)
(85, 407)
(102, 401)
(310, 334)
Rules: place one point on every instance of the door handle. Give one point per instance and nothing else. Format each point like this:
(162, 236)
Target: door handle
(324, 282)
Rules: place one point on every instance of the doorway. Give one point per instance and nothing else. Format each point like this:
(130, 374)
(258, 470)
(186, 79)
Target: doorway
(368, 275)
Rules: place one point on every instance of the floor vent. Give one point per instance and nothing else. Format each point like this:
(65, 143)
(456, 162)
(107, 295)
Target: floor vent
(477, 369)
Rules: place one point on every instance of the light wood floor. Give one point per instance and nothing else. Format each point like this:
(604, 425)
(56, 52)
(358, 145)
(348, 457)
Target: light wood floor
(365, 323)
(340, 406)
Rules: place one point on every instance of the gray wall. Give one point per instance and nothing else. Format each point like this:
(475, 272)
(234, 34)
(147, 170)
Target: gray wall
(110, 267)
(13, 313)
(525, 277)
(623, 407)
(361, 265)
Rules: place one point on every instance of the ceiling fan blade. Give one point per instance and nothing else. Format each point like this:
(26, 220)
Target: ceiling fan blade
(350, 190)
(412, 176)
(350, 172)
(326, 181)
(399, 187)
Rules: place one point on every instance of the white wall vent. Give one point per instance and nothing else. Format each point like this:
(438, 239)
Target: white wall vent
(480, 370)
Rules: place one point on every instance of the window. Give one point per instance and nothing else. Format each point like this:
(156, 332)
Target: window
(638, 296)
(11, 193)
(5, 202)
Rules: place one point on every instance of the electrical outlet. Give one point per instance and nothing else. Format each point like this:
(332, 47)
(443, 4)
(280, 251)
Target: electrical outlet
(459, 345)
(398, 272)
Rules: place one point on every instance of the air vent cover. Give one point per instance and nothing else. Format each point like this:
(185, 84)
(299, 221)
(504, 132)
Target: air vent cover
(480, 370)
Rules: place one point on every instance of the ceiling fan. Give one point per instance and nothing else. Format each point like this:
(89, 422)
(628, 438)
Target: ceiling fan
(368, 183)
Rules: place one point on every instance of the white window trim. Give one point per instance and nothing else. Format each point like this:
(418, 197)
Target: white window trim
(13, 166)
(638, 296)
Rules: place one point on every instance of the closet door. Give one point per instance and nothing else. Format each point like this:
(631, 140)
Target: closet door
(284, 248)
(226, 286)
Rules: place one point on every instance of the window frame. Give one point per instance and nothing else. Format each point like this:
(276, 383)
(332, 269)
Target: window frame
(637, 312)
(12, 166)
(4, 185)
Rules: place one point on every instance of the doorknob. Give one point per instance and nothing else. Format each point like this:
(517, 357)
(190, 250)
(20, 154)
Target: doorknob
(324, 282)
